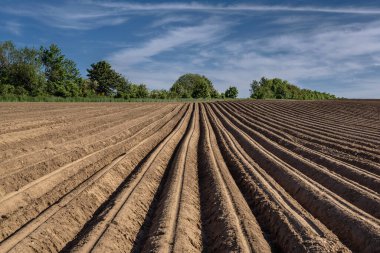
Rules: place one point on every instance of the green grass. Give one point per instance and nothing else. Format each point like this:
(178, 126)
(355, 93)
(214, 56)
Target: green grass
(97, 99)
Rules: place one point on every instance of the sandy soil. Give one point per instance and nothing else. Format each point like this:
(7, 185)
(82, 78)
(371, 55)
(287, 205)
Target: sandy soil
(244, 176)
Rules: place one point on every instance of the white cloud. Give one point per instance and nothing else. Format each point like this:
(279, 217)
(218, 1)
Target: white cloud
(85, 15)
(310, 59)
(13, 27)
(194, 6)
(312, 50)
(69, 15)
(340, 55)
(173, 19)
(205, 33)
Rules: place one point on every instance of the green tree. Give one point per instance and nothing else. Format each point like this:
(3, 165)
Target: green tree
(142, 91)
(63, 77)
(255, 89)
(159, 94)
(26, 79)
(131, 91)
(277, 88)
(6, 89)
(124, 88)
(21, 68)
(109, 82)
(172, 95)
(87, 88)
(183, 87)
(194, 85)
(231, 92)
(8, 52)
(213, 92)
(201, 89)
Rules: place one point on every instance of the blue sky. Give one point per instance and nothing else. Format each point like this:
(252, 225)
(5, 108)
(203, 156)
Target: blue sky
(331, 46)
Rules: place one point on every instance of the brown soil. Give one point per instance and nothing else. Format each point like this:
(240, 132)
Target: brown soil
(243, 176)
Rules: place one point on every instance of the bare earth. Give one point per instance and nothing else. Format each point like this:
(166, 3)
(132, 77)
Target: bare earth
(244, 176)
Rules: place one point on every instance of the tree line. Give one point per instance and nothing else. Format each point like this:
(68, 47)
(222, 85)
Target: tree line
(277, 88)
(48, 72)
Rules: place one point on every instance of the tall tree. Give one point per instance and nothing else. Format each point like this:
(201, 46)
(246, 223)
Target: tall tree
(63, 77)
(109, 82)
(213, 92)
(142, 91)
(193, 85)
(201, 89)
(231, 92)
(21, 68)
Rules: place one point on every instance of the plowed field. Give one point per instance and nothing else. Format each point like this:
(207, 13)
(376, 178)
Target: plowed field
(244, 176)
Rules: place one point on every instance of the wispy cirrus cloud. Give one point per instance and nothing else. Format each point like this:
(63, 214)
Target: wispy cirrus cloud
(86, 15)
(67, 15)
(194, 6)
(342, 59)
(207, 32)
(12, 27)
(333, 59)
(173, 19)
(323, 47)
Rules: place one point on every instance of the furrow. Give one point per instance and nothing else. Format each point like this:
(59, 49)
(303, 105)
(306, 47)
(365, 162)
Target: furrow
(28, 122)
(53, 136)
(318, 122)
(355, 228)
(103, 133)
(14, 180)
(65, 223)
(355, 174)
(24, 206)
(167, 224)
(228, 223)
(368, 172)
(226, 176)
(288, 224)
(304, 122)
(337, 119)
(122, 220)
(348, 147)
(361, 197)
